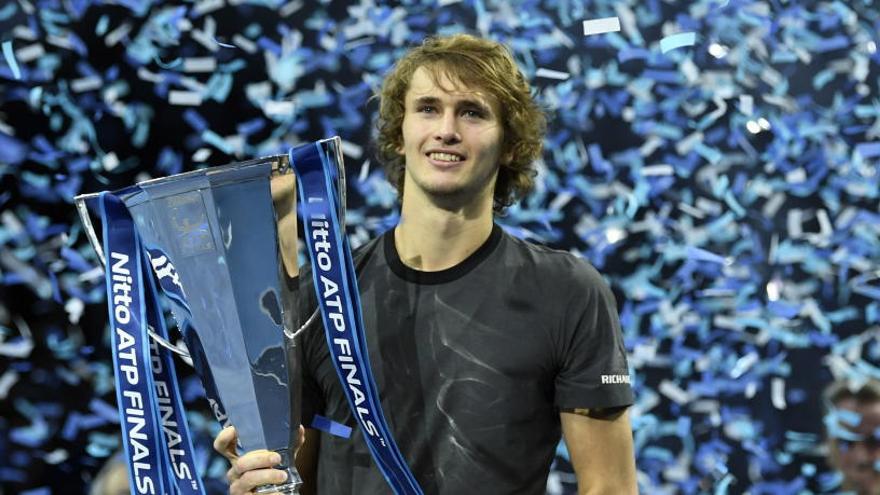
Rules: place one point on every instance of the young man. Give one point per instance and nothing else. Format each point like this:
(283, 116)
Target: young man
(853, 424)
(484, 347)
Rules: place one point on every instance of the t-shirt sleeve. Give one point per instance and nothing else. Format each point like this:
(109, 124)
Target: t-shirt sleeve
(593, 371)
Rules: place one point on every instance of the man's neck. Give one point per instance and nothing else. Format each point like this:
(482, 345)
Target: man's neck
(429, 238)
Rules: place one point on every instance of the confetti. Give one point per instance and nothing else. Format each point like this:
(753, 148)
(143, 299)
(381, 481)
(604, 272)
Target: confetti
(201, 64)
(729, 203)
(868, 150)
(675, 41)
(601, 26)
(552, 74)
(10, 59)
(189, 98)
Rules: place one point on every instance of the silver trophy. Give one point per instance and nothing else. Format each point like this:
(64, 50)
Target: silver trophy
(230, 233)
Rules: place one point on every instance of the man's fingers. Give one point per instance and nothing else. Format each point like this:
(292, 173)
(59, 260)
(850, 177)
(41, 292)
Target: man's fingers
(257, 459)
(224, 443)
(259, 477)
(254, 469)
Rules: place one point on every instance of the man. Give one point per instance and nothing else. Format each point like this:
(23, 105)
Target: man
(852, 422)
(484, 347)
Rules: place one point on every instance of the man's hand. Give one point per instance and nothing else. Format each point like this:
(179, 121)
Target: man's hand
(253, 469)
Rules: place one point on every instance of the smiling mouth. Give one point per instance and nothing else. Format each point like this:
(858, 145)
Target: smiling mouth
(445, 157)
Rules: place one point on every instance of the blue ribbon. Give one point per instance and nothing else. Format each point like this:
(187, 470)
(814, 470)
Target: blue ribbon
(148, 395)
(131, 355)
(339, 301)
(178, 442)
(170, 285)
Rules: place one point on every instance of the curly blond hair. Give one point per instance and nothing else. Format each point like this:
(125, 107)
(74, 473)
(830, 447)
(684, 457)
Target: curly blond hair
(477, 63)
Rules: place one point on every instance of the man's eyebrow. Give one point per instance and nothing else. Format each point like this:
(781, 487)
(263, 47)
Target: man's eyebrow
(426, 100)
(463, 103)
(475, 104)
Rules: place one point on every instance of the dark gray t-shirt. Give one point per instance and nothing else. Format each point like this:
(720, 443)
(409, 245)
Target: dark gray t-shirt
(473, 365)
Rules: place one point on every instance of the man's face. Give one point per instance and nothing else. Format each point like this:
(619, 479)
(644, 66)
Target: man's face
(452, 140)
(856, 460)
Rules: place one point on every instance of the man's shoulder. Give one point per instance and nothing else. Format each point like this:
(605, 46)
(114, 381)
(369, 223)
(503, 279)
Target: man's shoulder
(549, 262)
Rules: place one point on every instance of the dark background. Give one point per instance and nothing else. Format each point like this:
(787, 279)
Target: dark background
(747, 265)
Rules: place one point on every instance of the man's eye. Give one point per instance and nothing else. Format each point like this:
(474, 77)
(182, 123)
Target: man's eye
(425, 109)
(473, 114)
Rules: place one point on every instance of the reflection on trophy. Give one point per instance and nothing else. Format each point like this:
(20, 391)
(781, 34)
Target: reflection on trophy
(223, 241)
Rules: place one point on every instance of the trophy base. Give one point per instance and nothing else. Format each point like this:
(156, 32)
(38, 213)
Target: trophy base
(285, 488)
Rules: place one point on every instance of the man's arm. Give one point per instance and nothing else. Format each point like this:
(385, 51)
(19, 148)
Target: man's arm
(601, 450)
(307, 461)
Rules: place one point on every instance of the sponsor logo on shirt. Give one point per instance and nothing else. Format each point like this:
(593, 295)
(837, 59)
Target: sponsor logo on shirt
(615, 379)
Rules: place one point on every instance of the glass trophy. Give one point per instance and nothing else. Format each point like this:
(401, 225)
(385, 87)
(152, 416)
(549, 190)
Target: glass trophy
(230, 233)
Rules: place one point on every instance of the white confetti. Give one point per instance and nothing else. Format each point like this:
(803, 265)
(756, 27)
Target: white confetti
(206, 6)
(110, 161)
(601, 26)
(661, 169)
(794, 223)
(746, 104)
(148, 76)
(57, 456)
(189, 98)
(9, 378)
(743, 365)
(24, 33)
(771, 207)
(22, 347)
(199, 64)
(205, 39)
(290, 8)
(30, 53)
(777, 393)
(690, 210)
(365, 171)
(86, 84)
(244, 43)
(552, 74)
(201, 154)
(117, 34)
(281, 108)
(74, 308)
(562, 199)
(674, 392)
(351, 149)
(60, 41)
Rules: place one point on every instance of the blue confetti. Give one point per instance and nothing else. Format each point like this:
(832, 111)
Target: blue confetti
(675, 41)
(332, 427)
(10, 59)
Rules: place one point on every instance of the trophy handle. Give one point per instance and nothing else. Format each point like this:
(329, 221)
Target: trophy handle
(83, 210)
(182, 352)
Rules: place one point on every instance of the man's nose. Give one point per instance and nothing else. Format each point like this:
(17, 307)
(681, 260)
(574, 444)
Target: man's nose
(447, 130)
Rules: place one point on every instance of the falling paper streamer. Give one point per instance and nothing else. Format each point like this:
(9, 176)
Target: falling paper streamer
(10, 59)
(679, 40)
(868, 150)
(552, 74)
(186, 98)
(601, 26)
(646, 155)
